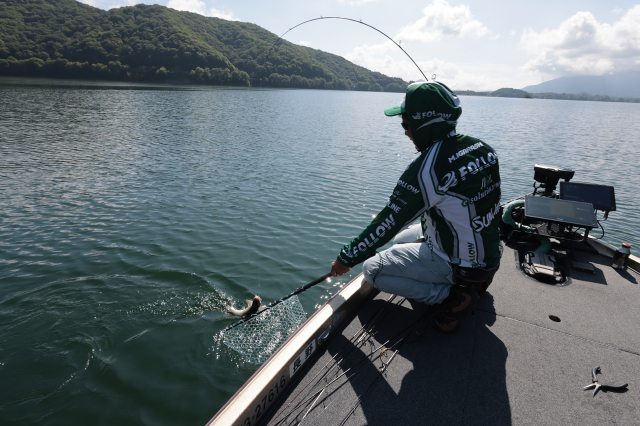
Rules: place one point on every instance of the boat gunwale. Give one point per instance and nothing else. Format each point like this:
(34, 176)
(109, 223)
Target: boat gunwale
(633, 262)
(237, 410)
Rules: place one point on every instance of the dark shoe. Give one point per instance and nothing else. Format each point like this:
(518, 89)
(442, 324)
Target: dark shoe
(459, 304)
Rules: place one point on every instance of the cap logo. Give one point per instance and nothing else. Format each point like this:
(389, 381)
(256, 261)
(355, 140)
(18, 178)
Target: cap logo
(429, 114)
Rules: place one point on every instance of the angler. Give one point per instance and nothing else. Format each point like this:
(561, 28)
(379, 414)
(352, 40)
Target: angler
(429, 257)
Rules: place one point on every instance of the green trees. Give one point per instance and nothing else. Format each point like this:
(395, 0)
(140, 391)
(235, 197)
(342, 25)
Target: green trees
(62, 68)
(508, 93)
(277, 80)
(220, 77)
(363, 85)
(68, 39)
(395, 87)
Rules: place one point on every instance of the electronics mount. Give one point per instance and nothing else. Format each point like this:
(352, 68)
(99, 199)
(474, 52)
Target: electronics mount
(573, 207)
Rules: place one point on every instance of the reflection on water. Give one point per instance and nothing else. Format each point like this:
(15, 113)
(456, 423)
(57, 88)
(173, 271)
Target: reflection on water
(133, 214)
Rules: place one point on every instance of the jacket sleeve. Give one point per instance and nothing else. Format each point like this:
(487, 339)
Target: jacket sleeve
(404, 206)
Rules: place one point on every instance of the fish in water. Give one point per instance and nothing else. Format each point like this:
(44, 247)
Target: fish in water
(254, 306)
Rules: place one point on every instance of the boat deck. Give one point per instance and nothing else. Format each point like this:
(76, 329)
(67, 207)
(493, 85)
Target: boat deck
(510, 363)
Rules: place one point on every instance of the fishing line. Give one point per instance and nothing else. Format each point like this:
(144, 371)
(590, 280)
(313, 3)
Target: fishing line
(345, 19)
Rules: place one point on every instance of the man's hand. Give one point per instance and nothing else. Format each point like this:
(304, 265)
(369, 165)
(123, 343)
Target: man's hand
(338, 269)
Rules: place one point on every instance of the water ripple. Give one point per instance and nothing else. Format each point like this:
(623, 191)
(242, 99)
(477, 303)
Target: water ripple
(132, 215)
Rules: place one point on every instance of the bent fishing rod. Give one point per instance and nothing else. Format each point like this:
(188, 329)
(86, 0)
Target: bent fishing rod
(324, 277)
(345, 19)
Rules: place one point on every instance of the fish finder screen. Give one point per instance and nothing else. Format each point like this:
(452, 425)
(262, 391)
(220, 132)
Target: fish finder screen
(601, 196)
(560, 211)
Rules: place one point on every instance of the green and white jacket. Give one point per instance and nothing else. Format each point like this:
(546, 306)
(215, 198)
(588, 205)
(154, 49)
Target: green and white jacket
(454, 187)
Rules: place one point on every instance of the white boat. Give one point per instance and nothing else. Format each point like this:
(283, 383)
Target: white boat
(524, 357)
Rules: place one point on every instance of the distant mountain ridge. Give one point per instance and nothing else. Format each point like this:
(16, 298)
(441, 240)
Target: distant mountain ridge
(505, 92)
(623, 85)
(516, 93)
(68, 39)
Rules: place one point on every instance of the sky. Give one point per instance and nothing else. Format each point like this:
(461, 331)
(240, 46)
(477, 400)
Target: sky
(469, 44)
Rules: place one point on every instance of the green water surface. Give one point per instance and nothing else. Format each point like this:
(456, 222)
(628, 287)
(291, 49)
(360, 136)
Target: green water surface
(131, 215)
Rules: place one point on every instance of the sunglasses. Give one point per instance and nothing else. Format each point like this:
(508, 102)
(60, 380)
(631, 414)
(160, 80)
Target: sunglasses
(405, 125)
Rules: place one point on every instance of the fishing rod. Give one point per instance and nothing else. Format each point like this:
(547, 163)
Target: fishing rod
(383, 346)
(295, 292)
(324, 277)
(338, 358)
(381, 372)
(345, 19)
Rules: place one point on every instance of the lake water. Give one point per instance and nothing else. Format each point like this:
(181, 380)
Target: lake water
(131, 215)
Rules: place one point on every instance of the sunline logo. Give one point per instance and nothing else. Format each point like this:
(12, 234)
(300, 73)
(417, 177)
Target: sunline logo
(481, 222)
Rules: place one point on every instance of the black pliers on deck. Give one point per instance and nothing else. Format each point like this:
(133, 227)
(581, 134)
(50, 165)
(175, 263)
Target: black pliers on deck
(597, 386)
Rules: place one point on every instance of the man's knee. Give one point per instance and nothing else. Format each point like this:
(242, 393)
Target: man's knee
(371, 268)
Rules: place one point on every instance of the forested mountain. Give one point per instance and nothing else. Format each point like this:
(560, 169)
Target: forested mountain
(68, 39)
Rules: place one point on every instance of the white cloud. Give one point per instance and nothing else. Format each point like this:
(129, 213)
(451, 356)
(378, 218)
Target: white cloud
(366, 51)
(304, 43)
(118, 5)
(355, 2)
(221, 14)
(443, 20)
(374, 58)
(440, 20)
(479, 77)
(197, 6)
(90, 2)
(582, 45)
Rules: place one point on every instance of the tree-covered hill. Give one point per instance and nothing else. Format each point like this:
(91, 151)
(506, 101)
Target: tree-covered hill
(507, 92)
(68, 39)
